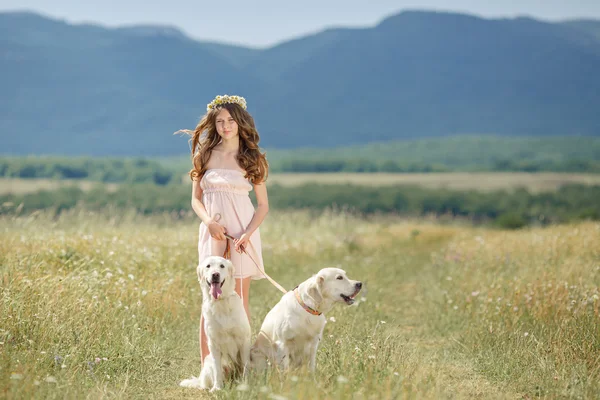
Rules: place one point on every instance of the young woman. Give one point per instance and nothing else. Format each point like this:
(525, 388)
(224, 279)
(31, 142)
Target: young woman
(227, 165)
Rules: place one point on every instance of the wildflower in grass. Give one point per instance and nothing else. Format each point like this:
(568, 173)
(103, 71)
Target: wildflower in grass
(332, 319)
(396, 374)
(475, 293)
(383, 322)
(242, 387)
(526, 334)
(277, 397)
(342, 379)
(58, 360)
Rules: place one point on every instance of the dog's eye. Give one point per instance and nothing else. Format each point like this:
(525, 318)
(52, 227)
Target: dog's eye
(339, 278)
(222, 266)
(208, 266)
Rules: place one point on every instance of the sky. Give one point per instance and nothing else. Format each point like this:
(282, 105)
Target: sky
(263, 23)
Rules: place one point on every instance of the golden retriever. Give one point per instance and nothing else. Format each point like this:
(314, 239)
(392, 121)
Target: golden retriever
(225, 323)
(292, 330)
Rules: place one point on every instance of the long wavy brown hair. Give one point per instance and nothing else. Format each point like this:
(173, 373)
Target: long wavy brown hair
(205, 137)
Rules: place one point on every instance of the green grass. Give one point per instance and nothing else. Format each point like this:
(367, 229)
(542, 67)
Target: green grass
(447, 311)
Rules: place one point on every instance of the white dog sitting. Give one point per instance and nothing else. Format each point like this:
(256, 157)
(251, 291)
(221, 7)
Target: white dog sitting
(225, 323)
(292, 330)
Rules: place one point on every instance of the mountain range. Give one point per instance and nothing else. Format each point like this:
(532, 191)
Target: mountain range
(90, 90)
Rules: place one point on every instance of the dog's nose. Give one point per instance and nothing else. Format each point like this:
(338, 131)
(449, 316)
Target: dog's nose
(215, 276)
(359, 285)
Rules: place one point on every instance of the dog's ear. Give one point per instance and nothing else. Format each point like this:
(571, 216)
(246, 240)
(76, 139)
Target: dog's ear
(320, 279)
(314, 289)
(200, 272)
(230, 268)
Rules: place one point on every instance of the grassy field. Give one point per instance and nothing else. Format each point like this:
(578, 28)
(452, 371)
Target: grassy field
(21, 186)
(484, 181)
(107, 306)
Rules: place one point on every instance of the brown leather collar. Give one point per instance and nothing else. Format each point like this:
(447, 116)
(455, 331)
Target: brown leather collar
(303, 304)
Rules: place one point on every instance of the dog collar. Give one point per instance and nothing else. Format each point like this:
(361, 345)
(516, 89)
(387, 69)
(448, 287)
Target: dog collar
(303, 304)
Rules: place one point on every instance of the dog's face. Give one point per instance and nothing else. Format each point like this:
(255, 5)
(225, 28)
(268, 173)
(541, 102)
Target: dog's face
(215, 275)
(333, 284)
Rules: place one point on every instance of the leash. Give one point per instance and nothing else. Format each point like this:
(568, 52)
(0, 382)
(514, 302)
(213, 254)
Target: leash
(273, 282)
(217, 218)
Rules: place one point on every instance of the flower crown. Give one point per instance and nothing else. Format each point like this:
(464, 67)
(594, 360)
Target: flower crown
(226, 99)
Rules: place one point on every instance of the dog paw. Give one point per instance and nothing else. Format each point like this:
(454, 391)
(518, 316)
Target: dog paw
(191, 383)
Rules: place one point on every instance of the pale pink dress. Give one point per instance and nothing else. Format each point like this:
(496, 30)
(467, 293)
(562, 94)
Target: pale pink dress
(226, 192)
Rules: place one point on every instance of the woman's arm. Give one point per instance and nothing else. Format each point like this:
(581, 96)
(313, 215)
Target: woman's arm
(217, 231)
(262, 208)
(197, 204)
(260, 213)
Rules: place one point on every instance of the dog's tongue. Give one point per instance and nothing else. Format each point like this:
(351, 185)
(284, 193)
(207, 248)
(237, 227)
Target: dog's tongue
(215, 289)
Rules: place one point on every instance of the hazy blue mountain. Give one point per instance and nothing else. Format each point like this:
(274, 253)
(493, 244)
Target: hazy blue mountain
(590, 26)
(90, 90)
(87, 89)
(421, 73)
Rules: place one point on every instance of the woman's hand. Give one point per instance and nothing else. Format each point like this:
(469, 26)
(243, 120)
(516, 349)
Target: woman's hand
(216, 231)
(241, 242)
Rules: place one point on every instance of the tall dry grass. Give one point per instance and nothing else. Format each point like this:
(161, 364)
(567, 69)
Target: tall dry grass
(107, 306)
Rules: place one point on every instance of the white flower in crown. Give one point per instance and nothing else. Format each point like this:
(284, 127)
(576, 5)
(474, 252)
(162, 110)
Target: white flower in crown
(226, 99)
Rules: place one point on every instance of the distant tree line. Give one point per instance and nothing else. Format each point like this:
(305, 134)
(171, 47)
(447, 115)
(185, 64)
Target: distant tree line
(140, 170)
(123, 170)
(512, 209)
(472, 153)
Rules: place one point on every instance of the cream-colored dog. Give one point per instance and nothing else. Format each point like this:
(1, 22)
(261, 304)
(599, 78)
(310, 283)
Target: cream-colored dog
(225, 324)
(292, 330)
